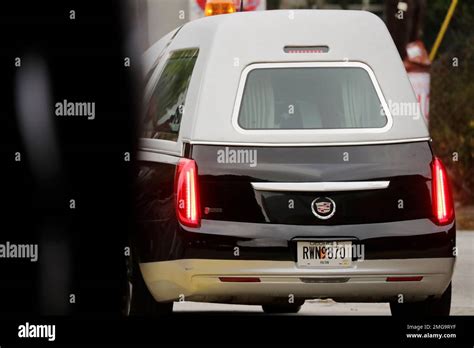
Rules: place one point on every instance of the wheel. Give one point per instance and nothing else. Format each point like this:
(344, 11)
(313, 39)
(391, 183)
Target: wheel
(430, 307)
(139, 301)
(280, 308)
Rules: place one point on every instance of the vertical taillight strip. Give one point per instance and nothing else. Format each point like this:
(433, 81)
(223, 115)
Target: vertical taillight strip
(443, 207)
(187, 193)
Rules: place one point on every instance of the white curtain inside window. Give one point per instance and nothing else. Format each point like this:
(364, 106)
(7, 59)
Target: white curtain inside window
(358, 101)
(310, 98)
(258, 107)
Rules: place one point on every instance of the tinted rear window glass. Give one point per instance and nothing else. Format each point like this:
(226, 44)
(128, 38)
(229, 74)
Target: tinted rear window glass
(310, 98)
(166, 106)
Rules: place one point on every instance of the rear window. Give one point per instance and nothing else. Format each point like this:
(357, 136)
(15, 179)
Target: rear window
(310, 98)
(166, 105)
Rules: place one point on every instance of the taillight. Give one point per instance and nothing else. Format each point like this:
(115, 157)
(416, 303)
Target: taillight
(404, 279)
(443, 208)
(239, 279)
(187, 193)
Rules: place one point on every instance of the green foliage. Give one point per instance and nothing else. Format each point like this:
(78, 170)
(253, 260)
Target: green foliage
(452, 93)
(460, 28)
(452, 116)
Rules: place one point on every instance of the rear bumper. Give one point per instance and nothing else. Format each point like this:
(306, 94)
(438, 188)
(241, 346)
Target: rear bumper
(365, 281)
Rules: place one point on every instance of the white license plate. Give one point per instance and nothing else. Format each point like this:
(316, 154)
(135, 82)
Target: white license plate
(324, 254)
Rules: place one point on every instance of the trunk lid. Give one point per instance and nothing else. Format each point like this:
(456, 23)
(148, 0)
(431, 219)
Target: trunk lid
(287, 185)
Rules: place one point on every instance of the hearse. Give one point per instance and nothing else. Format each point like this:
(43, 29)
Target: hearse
(273, 168)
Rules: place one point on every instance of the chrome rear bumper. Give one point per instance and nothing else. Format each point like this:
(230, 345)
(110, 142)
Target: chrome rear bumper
(365, 281)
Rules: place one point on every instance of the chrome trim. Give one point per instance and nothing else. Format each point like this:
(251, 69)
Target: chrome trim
(156, 157)
(160, 151)
(343, 64)
(328, 186)
(376, 142)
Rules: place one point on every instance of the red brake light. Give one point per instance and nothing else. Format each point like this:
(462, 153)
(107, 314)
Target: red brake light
(404, 279)
(239, 279)
(443, 208)
(187, 193)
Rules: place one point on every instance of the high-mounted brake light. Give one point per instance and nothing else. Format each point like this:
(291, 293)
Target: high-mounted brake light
(217, 7)
(443, 208)
(306, 49)
(187, 193)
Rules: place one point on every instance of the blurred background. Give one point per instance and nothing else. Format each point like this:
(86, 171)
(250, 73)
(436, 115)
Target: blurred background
(65, 182)
(435, 39)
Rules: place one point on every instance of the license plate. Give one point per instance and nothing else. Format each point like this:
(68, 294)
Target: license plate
(324, 254)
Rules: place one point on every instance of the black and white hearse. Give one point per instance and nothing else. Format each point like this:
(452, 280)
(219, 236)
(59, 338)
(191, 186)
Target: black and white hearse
(283, 157)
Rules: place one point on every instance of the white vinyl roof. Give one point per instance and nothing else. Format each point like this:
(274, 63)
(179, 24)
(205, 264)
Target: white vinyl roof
(230, 43)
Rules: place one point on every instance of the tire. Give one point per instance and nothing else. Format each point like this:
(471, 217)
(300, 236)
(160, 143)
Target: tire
(140, 302)
(282, 308)
(431, 307)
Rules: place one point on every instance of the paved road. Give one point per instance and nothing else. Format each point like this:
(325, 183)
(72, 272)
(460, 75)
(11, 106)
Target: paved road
(462, 302)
